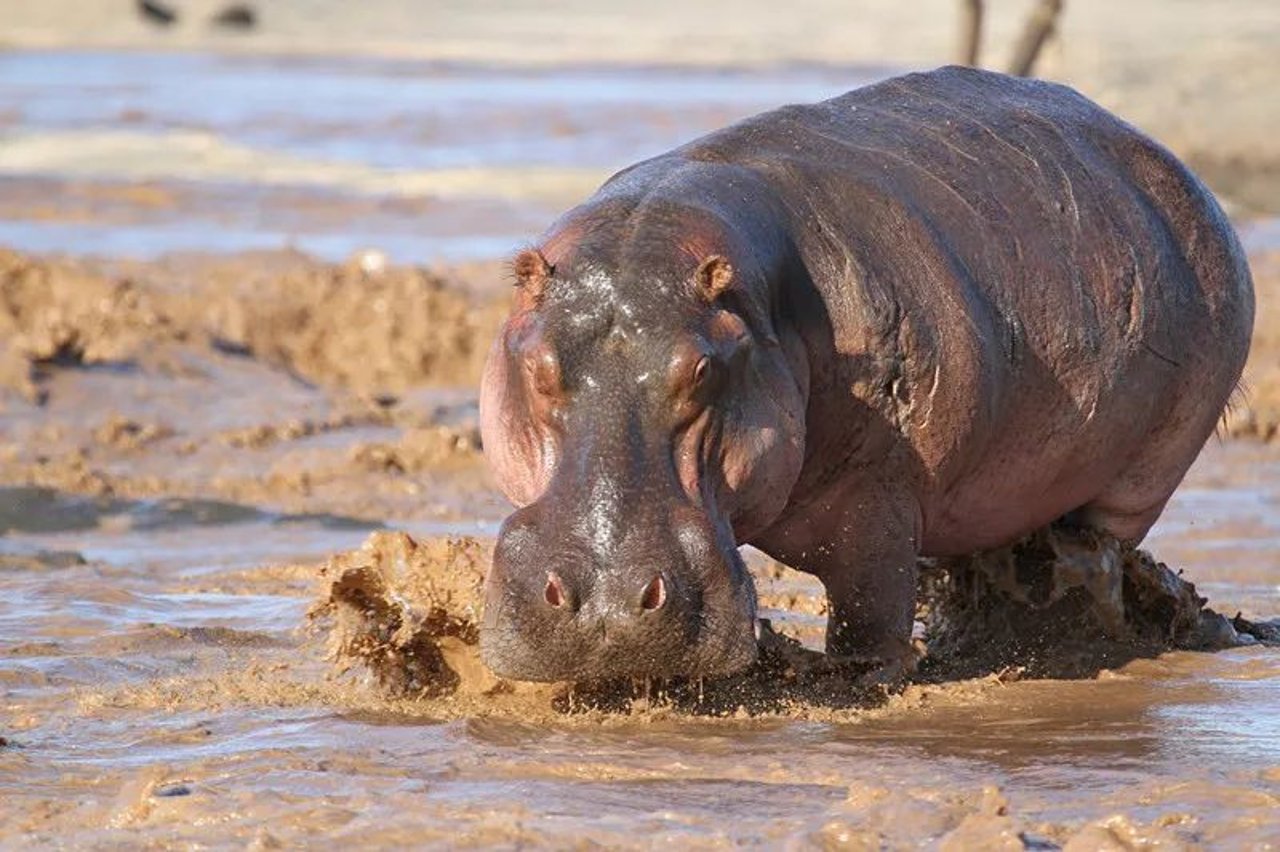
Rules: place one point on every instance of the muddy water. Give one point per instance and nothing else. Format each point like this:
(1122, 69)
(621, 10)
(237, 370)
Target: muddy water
(157, 686)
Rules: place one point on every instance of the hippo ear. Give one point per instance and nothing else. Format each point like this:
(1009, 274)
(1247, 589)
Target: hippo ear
(713, 277)
(532, 273)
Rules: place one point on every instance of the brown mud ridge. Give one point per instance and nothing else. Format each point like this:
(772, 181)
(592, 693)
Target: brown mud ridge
(362, 327)
(1058, 604)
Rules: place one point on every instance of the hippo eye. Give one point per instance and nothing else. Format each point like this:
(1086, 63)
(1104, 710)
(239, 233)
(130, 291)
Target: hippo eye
(707, 374)
(701, 370)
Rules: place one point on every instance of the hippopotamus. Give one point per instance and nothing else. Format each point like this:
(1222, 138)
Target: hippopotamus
(923, 318)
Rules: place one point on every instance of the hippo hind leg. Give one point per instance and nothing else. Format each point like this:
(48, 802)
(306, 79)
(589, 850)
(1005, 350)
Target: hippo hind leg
(1134, 499)
(1133, 502)
(1195, 402)
(1128, 525)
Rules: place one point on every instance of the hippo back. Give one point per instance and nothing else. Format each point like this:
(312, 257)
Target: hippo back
(1008, 277)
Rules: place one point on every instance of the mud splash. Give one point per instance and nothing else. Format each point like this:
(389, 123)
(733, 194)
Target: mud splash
(1060, 604)
(410, 612)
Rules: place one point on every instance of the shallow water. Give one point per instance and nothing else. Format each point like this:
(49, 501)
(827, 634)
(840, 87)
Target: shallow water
(256, 153)
(156, 685)
(399, 114)
(228, 143)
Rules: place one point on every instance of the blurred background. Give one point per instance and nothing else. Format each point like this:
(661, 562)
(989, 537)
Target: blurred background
(452, 131)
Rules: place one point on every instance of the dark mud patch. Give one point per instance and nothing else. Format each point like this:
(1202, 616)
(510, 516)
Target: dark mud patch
(1064, 603)
(1059, 604)
(33, 509)
(18, 556)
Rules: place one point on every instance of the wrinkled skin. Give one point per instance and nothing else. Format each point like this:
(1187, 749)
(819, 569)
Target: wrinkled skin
(924, 318)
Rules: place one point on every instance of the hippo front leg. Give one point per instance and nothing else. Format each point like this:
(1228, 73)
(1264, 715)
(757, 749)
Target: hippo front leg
(863, 548)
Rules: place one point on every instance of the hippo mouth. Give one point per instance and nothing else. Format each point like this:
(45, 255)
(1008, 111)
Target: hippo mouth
(552, 624)
(559, 659)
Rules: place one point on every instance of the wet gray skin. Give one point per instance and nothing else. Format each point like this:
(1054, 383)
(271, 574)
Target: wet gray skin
(617, 568)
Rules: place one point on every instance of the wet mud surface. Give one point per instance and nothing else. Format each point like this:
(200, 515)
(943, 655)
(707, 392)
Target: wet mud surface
(244, 517)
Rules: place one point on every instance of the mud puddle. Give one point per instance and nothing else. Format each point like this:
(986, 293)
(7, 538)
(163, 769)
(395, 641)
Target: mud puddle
(157, 687)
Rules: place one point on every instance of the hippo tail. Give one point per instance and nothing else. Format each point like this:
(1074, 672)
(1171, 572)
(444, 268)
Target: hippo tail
(1238, 401)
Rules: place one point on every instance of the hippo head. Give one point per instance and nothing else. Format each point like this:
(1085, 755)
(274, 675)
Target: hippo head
(644, 417)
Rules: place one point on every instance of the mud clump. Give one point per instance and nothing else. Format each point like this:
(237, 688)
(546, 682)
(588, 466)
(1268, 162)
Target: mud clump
(409, 613)
(418, 450)
(123, 433)
(61, 315)
(1060, 603)
(58, 313)
(375, 331)
(267, 434)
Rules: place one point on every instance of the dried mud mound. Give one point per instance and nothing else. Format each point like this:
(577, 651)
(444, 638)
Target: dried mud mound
(1057, 604)
(341, 325)
(59, 314)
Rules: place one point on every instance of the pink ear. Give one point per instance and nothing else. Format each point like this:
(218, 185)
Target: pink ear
(713, 277)
(532, 274)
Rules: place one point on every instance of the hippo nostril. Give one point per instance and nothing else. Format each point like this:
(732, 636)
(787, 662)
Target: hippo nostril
(654, 595)
(554, 592)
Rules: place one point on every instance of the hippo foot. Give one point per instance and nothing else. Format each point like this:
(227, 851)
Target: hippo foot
(886, 671)
(889, 675)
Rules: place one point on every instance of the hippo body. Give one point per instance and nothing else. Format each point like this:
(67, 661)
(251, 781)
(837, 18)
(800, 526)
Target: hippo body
(938, 313)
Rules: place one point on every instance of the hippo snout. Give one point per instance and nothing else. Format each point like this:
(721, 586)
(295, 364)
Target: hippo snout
(665, 600)
(627, 610)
